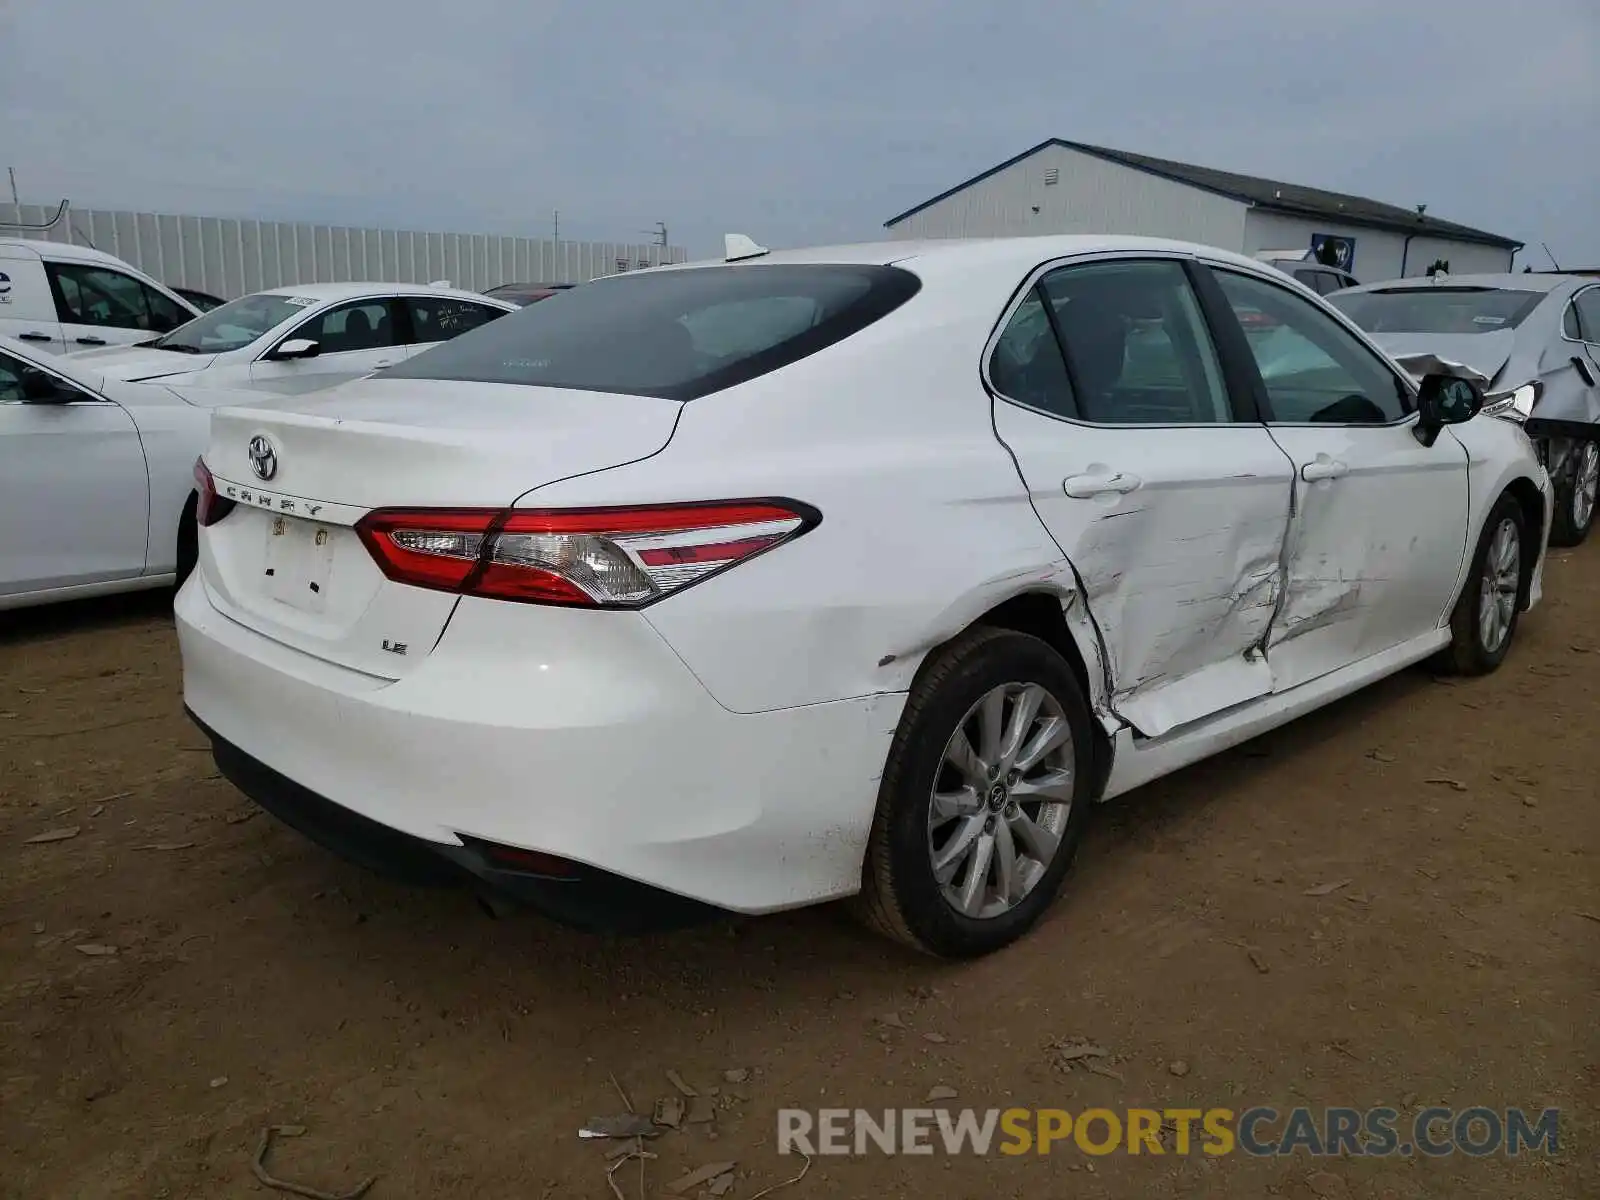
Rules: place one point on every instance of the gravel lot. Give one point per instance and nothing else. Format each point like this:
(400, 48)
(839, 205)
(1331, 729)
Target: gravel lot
(182, 971)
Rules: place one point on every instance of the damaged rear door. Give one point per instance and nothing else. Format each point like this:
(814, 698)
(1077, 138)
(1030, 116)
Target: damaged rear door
(1380, 522)
(1170, 499)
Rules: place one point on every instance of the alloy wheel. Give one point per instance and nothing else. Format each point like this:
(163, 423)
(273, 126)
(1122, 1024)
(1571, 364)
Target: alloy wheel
(1501, 580)
(1001, 799)
(1585, 484)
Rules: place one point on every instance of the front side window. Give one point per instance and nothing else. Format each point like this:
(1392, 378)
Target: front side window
(1137, 348)
(98, 296)
(1438, 309)
(234, 325)
(361, 325)
(438, 319)
(1314, 370)
(677, 334)
(21, 381)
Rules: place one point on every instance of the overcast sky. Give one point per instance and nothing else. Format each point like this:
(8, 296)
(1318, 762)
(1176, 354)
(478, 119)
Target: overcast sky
(793, 122)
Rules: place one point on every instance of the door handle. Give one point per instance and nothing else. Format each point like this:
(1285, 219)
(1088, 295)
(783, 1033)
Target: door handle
(34, 337)
(1083, 487)
(1322, 468)
(90, 341)
(383, 365)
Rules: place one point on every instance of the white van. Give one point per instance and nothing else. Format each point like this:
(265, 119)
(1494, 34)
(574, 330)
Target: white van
(59, 298)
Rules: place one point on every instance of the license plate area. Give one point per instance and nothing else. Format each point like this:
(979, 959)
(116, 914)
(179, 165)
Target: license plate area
(297, 568)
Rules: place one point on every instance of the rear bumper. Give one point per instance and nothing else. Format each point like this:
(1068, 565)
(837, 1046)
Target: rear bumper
(575, 734)
(579, 896)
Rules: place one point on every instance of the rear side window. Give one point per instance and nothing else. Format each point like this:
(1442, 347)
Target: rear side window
(440, 318)
(1027, 365)
(674, 334)
(1588, 306)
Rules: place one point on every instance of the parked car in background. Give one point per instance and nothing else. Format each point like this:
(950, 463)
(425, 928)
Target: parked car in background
(1536, 337)
(58, 297)
(750, 585)
(1303, 266)
(301, 338)
(97, 486)
(523, 294)
(204, 301)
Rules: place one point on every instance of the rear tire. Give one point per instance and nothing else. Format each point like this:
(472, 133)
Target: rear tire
(1484, 621)
(983, 799)
(1575, 496)
(188, 542)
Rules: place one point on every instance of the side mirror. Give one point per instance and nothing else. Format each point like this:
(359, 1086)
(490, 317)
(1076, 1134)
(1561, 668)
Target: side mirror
(297, 348)
(1445, 400)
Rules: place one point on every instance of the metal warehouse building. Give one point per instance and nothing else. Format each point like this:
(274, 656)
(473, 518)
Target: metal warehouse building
(1069, 187)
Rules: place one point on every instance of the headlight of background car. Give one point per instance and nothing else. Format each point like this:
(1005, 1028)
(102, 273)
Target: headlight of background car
(1515, 405)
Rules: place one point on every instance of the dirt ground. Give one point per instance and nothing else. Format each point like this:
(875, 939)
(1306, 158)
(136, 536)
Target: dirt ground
(255, 979)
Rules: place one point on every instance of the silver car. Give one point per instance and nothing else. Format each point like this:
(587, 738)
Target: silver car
(1536, 337)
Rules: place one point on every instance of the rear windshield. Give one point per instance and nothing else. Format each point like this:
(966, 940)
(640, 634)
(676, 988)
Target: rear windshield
(1437, 309)
(675, 334)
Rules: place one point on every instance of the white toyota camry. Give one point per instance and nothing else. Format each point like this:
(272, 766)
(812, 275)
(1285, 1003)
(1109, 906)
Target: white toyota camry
(97, 487)
(844, 572)
(301, 338)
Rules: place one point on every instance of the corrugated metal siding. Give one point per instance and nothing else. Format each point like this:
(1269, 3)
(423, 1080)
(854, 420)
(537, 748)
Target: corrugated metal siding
(230, 257)
(1091, 196)
(1379, 253)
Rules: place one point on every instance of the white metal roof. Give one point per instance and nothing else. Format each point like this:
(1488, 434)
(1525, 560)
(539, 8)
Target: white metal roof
(344, 291)
(1021, 252)
(66, 250)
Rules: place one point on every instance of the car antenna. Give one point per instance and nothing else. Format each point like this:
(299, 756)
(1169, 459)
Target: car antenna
(1550, 256)
(736, 246)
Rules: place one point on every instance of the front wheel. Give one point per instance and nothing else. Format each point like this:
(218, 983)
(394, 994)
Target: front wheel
(983, 797)
(1484, 620)
(1576, 495)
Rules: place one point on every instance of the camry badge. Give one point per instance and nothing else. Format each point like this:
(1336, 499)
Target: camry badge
(263, 457)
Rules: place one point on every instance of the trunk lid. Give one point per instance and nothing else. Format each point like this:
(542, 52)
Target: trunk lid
(288, 563)
(1483, 352)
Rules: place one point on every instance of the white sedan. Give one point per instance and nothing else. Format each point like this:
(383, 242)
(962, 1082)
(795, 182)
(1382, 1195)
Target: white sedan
(301, 338)
(97, 490)
(850, 572)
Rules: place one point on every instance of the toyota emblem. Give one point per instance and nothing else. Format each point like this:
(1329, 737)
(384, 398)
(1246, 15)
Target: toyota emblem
(263, 457)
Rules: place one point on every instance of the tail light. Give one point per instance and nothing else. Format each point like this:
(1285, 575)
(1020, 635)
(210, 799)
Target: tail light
(598, 557)
(210, 507)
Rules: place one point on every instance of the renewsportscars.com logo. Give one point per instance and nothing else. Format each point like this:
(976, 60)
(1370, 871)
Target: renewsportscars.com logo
(1259, 1132)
